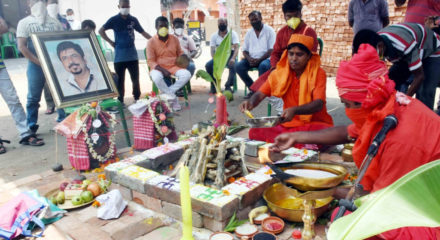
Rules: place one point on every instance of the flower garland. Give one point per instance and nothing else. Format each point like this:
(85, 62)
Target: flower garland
(162, 130)
(94, 112)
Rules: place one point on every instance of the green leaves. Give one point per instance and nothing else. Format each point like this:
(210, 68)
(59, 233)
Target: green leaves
(221, 57)
(410, 201)
(204, 75)
(233, 224)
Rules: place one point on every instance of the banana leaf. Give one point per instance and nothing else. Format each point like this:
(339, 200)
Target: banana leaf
(221, 57)
(204, 75)
(413, 200)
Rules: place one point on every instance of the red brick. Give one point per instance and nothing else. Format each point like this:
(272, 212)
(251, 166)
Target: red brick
(147, 201)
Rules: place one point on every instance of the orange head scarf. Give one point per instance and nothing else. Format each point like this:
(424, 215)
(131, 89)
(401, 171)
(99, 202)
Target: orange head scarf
(281, 78)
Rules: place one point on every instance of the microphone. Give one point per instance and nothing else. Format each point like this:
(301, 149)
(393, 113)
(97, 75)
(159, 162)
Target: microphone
(390, 122)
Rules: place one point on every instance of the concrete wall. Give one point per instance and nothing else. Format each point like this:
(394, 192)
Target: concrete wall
(146, 11)
(328, 18)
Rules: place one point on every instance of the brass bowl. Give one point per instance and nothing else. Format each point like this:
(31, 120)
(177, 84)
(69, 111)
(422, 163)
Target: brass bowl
(275, 194)
(311, 184)
(347, 155)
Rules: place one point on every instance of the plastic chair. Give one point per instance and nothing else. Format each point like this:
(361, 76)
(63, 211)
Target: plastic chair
(8, 41)
(186, 88)
(104, 47)
(106, 104)
(321, 46)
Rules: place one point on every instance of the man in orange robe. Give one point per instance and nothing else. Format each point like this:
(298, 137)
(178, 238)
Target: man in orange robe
(369, 96)
(300, 82)
(292, 15)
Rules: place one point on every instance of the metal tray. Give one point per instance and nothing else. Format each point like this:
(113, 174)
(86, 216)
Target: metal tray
(263, 122)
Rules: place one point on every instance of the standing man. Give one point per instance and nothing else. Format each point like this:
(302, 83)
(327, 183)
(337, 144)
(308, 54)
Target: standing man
(163, 50)
(123, 26)
(294, 25)
(258, 45)
(368, 14)
(38, 21)
(70, 15)
(7, 90)
(216, 40)
(418, 10)
(53, 11)
(186, 43)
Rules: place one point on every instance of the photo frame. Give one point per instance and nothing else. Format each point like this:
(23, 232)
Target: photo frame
(75, 68)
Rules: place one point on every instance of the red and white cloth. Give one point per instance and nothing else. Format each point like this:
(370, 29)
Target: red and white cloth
(144, 129)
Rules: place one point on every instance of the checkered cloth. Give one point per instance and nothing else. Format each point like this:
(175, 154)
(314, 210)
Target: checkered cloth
(78, 152)
(144, 129)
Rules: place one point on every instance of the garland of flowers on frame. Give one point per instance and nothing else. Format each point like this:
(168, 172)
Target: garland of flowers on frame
(94, 111)
(164, 124)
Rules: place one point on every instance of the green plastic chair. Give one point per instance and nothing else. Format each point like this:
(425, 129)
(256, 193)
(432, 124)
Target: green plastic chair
(106, 104)
(186, 88)
(321, 45)
(104, 47)
(8, 41)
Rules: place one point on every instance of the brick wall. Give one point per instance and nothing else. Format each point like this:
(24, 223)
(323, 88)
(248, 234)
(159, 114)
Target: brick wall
(328, 18)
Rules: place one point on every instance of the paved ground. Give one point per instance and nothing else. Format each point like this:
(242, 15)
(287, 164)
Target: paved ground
(21, 161)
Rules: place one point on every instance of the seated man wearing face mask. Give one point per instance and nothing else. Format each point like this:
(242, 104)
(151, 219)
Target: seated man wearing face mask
(257, 47)
(163, 52)
(186, 43)
(126, 57)
(216, 40)
(295, 25)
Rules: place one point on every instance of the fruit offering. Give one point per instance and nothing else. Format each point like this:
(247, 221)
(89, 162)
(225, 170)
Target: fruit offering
(77, 193)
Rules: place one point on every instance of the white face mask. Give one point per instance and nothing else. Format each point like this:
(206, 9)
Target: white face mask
(52, 10)
(124, 11)
(39, 11)
(70, 17)
(178, 31)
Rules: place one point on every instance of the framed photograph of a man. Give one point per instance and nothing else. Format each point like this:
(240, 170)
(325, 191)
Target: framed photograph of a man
(75, 68)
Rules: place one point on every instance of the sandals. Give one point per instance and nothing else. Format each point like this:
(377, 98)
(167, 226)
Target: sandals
(50, 111)
(2, 148)
(32, 140)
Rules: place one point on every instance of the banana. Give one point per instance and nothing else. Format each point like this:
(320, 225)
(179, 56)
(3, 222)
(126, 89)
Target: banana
(248, 114)
(257, 211)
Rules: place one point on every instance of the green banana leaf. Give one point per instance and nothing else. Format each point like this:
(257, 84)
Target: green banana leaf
(413, 200)
(221, 57)
(204, 75)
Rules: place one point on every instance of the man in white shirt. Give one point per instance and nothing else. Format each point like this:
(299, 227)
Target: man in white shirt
(70, 16)
(186, 43)
(82, 80)
(216, 40)
(257, 47)
(38, 21)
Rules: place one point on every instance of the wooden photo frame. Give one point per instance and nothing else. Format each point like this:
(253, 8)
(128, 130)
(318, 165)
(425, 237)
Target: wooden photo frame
(76, 71)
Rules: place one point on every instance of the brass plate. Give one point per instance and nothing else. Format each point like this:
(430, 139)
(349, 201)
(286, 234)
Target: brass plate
(311, 184)
(67, 205)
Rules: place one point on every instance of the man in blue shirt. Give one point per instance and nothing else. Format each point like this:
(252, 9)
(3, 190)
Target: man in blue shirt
(126, 56)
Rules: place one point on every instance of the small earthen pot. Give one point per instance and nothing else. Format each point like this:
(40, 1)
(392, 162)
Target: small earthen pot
(247, 235)
(264, 236)
(221, 235)
(273, 225)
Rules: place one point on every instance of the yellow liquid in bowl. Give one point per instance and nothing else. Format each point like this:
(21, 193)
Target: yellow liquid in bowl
(297, 203)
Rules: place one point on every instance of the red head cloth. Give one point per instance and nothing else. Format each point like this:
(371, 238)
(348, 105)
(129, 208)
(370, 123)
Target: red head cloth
(364, 78)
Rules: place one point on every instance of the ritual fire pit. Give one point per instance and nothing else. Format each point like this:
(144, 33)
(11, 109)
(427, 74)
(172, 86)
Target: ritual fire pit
(212, 159)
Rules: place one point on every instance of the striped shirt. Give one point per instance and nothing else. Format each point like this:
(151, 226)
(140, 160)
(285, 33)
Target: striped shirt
(413, 40)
